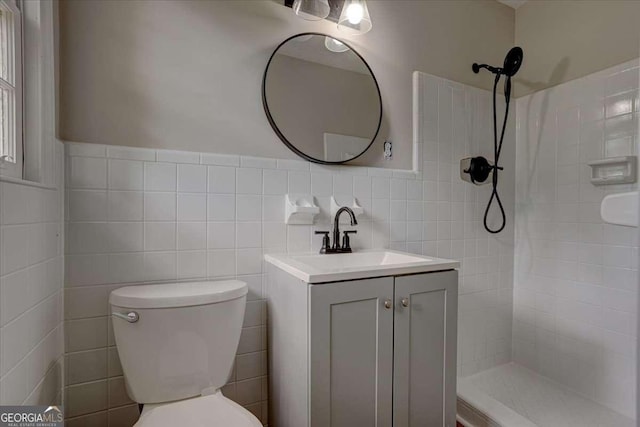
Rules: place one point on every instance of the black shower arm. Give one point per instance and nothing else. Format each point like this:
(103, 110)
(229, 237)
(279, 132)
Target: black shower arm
(494, 70)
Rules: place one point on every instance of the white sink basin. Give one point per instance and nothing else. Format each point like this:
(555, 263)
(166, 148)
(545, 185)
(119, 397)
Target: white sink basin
(316, 268)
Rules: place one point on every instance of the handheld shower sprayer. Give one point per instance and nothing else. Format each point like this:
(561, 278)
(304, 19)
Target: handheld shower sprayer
(477, 169)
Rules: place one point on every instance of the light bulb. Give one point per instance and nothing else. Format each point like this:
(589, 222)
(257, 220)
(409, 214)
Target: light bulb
(354, 18)
(355, 13)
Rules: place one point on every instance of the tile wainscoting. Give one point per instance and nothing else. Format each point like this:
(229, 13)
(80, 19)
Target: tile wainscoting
(137, 215)
(31, 289)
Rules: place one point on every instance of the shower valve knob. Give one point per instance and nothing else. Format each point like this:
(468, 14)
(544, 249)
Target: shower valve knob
(476, 170)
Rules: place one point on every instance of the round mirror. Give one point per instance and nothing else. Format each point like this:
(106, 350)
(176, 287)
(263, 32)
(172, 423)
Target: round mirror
(321, 98)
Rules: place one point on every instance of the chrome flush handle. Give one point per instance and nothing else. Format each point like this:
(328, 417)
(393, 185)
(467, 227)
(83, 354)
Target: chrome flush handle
(131, 317)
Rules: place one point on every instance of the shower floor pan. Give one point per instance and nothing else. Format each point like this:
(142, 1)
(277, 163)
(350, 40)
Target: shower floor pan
(512, 396)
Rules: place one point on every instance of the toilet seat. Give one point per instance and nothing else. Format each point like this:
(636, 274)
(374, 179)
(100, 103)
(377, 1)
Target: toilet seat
(213, 410)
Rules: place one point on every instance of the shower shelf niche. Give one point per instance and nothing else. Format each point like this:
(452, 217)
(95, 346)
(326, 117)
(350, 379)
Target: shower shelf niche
(615, 170)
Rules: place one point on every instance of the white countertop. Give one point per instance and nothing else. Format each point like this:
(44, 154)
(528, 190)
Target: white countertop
(319, 268)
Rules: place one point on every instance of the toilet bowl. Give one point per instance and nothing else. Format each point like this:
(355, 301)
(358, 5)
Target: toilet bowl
(177, 344)
(208, 411)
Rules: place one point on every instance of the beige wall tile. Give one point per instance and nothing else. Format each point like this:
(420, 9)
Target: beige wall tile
(117, 393)
(86, 398)
(86, 366)
(98, 419)
(125, 416)
(86, 334)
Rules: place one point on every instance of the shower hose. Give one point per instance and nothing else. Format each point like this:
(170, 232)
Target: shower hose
(497, 148)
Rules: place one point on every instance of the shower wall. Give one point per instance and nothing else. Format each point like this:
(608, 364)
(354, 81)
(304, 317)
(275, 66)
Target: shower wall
(575, 280)
(454, 121)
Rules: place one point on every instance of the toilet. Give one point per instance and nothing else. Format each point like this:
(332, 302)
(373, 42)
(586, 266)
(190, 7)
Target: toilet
(177, 344)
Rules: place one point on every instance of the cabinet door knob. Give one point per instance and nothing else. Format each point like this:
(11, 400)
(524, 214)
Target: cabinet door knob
(405, 302)
(387, 303)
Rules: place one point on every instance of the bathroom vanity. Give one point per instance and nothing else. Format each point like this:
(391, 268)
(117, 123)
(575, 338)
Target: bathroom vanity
(362, 339)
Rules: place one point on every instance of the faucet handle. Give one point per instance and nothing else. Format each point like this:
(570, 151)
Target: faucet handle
(346, 242)
(326, 242)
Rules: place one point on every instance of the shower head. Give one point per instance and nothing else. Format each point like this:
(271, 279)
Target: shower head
(512, 63)
(478, 169)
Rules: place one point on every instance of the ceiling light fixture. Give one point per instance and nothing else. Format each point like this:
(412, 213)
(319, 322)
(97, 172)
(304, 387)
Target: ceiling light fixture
(311, 10)
(355, 18)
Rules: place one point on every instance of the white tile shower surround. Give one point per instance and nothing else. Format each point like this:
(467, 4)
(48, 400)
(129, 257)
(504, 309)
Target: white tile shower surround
(542, 401)
(31, 291)
(576, 278)
(137, 215)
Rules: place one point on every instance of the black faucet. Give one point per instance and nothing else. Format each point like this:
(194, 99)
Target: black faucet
(327, 248)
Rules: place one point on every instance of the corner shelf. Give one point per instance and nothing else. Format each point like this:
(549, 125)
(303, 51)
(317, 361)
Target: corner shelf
(620, 209)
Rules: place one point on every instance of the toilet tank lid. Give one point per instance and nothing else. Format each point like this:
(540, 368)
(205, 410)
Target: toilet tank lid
(169, 295)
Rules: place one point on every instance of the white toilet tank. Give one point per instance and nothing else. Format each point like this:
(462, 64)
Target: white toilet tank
(179, 339)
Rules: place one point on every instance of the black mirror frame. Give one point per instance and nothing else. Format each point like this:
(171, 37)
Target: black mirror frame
(275, 126)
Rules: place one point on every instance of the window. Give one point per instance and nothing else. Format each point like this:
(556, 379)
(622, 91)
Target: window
(10, 89)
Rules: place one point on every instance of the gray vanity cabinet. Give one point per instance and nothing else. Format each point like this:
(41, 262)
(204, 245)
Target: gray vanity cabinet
(377, 352)
(351, 353)
(425, 355)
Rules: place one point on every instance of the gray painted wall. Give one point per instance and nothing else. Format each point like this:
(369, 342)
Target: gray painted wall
(564, 40)
(186, 74)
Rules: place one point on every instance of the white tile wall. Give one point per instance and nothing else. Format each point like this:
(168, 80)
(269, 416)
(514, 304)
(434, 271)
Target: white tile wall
(576, 277)
(182, 216)
(454, 121)
(31, 277)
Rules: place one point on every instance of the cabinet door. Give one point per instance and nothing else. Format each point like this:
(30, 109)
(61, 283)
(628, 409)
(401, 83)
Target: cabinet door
(425, 331)
(351, 360)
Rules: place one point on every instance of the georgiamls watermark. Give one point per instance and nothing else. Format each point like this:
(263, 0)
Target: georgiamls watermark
(31, 416)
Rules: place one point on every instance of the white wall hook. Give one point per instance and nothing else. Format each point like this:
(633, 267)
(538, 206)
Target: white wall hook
(349, 201)
(300, 209)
